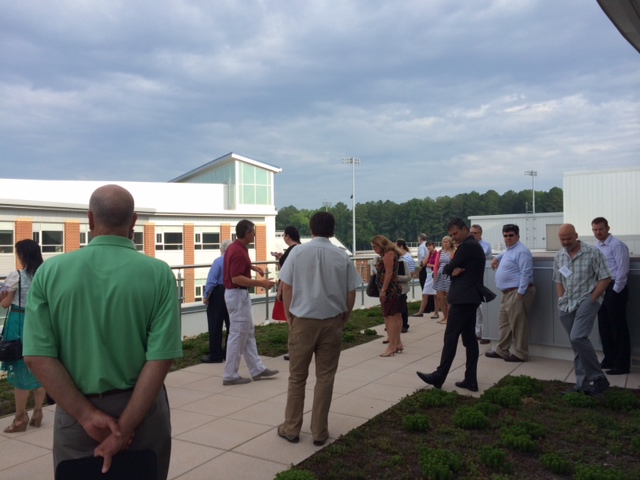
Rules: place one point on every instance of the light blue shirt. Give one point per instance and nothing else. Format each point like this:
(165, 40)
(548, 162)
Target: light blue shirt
(515, 269)
(216, 275)
(320, 275)
(486, 246)
(617, 255)
(423, 252)
(410, 261)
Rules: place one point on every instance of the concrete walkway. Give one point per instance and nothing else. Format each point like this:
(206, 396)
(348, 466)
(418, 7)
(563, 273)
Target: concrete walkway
(230, 432)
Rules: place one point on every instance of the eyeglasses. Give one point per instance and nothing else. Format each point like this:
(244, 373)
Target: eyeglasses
(474, 233)
(508, 235)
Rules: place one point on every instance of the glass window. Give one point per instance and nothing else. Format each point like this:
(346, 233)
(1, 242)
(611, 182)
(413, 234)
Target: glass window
(138, 240)
(6, 241)
(172, 241)
(52, 241)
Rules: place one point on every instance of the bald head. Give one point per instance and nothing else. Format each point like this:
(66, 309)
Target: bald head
(111, 211)
(568, 237)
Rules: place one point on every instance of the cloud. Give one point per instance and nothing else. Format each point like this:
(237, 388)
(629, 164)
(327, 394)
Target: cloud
(435, 98)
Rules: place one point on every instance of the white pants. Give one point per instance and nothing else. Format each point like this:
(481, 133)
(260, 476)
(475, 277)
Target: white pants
(242, 339)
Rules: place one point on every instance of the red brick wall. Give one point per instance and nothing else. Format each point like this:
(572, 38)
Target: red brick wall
(24, 231)
(189, 259)
(71, 235)
(225, 232)
(150, 240)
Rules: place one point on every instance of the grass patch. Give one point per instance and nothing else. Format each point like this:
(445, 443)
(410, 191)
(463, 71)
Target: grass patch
(539, 436)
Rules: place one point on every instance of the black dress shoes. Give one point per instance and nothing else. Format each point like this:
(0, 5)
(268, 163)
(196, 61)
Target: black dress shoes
(473, 387)
(431, 379)
(207, 359)
(492, 354)
(513, 358)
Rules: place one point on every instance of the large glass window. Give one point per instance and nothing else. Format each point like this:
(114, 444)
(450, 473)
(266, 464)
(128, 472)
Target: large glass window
(254, 185)
(6, 240)
(169, 238)
(50, 236)
(138, 240)
(207, 238)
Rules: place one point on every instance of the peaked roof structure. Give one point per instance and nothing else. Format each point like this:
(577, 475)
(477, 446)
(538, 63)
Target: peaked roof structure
(219, 162)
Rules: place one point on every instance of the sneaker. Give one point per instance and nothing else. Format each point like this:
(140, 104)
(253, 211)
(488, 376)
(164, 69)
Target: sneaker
(288, 438)
(265, 373)
(236, 381)
(600, 384)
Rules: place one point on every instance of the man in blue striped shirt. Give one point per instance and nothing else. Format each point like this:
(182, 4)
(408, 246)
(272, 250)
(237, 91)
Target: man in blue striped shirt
(612, 316)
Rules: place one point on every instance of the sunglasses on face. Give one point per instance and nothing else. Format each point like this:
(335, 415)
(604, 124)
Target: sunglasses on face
(508, 235)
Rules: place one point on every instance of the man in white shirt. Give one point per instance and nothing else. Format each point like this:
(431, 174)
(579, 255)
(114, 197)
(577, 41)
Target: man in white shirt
(612, 316)
(319, 283)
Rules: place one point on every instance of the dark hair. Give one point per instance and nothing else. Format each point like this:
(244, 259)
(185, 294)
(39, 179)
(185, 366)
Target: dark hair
(456, 222)
(243, 227)
(293, 233)
(431, 242)
(511, 227)
(402, 244)
(322, 224)
(30, 256)
(598, 220)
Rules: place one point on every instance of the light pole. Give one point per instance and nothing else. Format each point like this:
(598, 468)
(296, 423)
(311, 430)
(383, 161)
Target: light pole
(353, 161)
(533, 174)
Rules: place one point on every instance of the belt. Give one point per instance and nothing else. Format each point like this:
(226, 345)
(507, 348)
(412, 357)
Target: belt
(508, 290)
(238, 288)
(107, 393)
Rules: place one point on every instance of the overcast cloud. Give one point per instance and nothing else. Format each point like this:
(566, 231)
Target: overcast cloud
(435, 97)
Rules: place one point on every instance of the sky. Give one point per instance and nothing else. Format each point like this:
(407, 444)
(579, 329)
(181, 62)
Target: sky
(434, 98)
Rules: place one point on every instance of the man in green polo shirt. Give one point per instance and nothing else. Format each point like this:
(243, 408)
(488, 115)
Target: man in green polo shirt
(101, 331)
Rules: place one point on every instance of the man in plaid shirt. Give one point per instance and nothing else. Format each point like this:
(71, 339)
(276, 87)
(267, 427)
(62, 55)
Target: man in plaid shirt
(581, 275)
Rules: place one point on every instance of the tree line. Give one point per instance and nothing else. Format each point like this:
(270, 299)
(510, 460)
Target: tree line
(407, 220)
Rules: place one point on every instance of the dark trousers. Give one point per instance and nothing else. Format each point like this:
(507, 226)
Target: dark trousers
(405, 311)
(614, 332)
(217, 314)
(422, 276)
(461, 322)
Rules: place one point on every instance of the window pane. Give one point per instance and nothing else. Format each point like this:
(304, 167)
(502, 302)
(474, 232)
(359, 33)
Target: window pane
(210, 238)
(6, 237)
(172, 238)
(50, 237)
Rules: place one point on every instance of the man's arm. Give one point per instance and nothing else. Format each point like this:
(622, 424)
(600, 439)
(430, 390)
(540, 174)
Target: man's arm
(144, 395)
(560, 290)
(622, 259)
(601, 286)
(351, 301)
(287, 293)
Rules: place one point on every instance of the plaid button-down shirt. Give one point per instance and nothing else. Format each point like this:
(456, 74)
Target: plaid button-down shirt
(587, 268)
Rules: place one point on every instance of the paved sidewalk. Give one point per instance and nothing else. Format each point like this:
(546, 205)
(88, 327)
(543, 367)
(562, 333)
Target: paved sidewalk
(230, 432)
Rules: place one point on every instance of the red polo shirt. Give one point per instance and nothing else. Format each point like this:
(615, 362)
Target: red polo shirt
(236, 262)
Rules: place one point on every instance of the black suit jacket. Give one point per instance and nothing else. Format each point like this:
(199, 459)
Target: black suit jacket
(466, 288)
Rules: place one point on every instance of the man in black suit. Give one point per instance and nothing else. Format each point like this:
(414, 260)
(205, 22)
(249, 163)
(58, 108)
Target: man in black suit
(467, 271)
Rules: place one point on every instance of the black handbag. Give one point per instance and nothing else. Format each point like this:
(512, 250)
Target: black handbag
(12, 349)
(372, 287)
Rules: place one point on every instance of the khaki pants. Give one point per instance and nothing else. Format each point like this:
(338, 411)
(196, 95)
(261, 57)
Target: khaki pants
(513, 323)
(308, 336)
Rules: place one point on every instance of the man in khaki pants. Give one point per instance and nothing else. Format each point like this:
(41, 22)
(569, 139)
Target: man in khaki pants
(319, 284)
(514, 278)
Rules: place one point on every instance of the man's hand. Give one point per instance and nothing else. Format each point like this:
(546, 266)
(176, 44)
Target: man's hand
(110, 447)
(494, 264)
(205, 300)
(457, 272)
(99, 425)
(266, 283)
(257, 270)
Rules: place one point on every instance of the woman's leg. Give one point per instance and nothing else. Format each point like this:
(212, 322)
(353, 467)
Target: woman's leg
(397, 318)
(39, 395)
(21, 419)
(391, 325)
(445, 307)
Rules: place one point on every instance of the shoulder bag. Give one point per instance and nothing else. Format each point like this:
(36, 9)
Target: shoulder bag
(11, 350)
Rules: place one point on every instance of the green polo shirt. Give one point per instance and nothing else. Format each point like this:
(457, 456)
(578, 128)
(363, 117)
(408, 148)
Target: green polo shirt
(103, 311)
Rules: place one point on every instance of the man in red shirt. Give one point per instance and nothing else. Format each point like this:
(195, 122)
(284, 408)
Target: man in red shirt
(237, 280)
